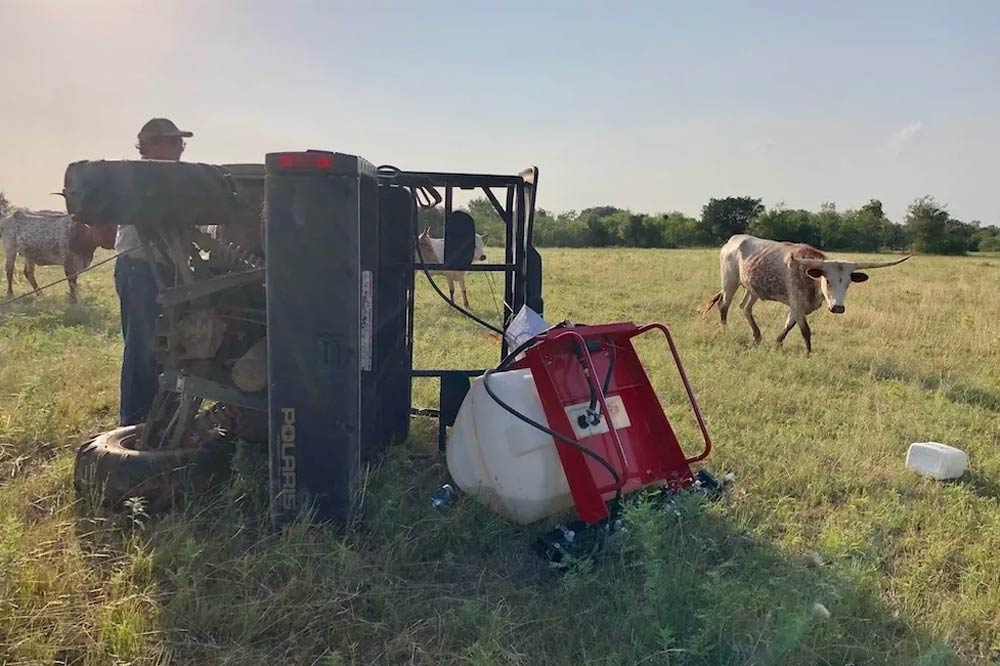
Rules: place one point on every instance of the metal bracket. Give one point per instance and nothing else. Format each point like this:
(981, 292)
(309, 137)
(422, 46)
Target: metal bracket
(211, 390)
(175, 295)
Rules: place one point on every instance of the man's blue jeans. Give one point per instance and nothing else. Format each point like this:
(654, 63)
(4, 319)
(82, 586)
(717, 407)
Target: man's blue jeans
(139, 310)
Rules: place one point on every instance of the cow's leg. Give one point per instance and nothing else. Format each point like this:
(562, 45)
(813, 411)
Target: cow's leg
(71, 278)
(10, 272)
(29, 273)
(461, 285)
(789, 324)
(724, 307)
(749, 300)
(730, 283)
(727, 300)
(806, 333)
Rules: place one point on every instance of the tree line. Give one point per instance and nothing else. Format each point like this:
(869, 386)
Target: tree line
(928, 227)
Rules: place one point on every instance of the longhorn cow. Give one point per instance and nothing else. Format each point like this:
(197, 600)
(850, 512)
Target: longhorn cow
(796, 274)
(49, 238)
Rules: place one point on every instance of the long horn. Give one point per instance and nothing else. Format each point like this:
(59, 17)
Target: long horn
(808, 263)
(880, 264)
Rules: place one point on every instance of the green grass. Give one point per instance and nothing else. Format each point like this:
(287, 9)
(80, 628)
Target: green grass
(817, 445)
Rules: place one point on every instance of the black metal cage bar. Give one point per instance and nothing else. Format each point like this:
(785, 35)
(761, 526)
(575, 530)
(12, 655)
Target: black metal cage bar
(522, 267)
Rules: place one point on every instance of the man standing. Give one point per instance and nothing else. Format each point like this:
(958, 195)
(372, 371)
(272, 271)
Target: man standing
(159, 139)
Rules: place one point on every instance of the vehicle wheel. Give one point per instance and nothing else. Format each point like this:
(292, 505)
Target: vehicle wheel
(109, 469)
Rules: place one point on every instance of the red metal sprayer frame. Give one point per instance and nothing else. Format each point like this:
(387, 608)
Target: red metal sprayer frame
(570, 367)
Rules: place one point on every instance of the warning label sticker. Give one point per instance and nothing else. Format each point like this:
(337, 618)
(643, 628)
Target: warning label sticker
(366, 321)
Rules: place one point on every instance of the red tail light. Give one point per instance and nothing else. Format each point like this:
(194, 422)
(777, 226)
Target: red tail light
(321, 161)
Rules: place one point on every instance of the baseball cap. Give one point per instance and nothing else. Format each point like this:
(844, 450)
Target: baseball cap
(161, 127)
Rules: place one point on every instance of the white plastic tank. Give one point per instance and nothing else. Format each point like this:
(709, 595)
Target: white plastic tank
(505, 463)
(936, 460)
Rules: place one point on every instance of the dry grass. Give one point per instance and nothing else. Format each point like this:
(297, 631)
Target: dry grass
(817, 445)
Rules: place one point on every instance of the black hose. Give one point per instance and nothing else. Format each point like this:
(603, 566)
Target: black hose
(527, 344)
(423, 267)
(590, 385)
(611, 364)
(607, 378)
(430, 191)
(431, 196)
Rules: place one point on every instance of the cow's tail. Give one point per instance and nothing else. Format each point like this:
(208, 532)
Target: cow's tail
(710, 303)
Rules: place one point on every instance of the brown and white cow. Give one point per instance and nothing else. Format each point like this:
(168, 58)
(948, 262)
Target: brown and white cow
(796, 274)
(47, 238)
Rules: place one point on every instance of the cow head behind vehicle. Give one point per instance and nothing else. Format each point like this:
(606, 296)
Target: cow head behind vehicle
(85, 239)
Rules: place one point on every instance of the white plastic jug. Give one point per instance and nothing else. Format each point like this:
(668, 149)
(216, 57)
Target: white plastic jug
(505, 463)
(936, 460)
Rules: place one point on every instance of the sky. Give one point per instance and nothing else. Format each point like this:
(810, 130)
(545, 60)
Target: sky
(652, 106)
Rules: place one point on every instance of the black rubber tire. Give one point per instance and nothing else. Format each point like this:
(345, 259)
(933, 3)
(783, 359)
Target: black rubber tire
(108, 470)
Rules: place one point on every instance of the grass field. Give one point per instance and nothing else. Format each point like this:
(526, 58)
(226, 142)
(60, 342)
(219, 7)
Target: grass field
(817, 445)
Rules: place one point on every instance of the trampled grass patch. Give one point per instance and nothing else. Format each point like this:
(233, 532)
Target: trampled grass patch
(817, 445)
